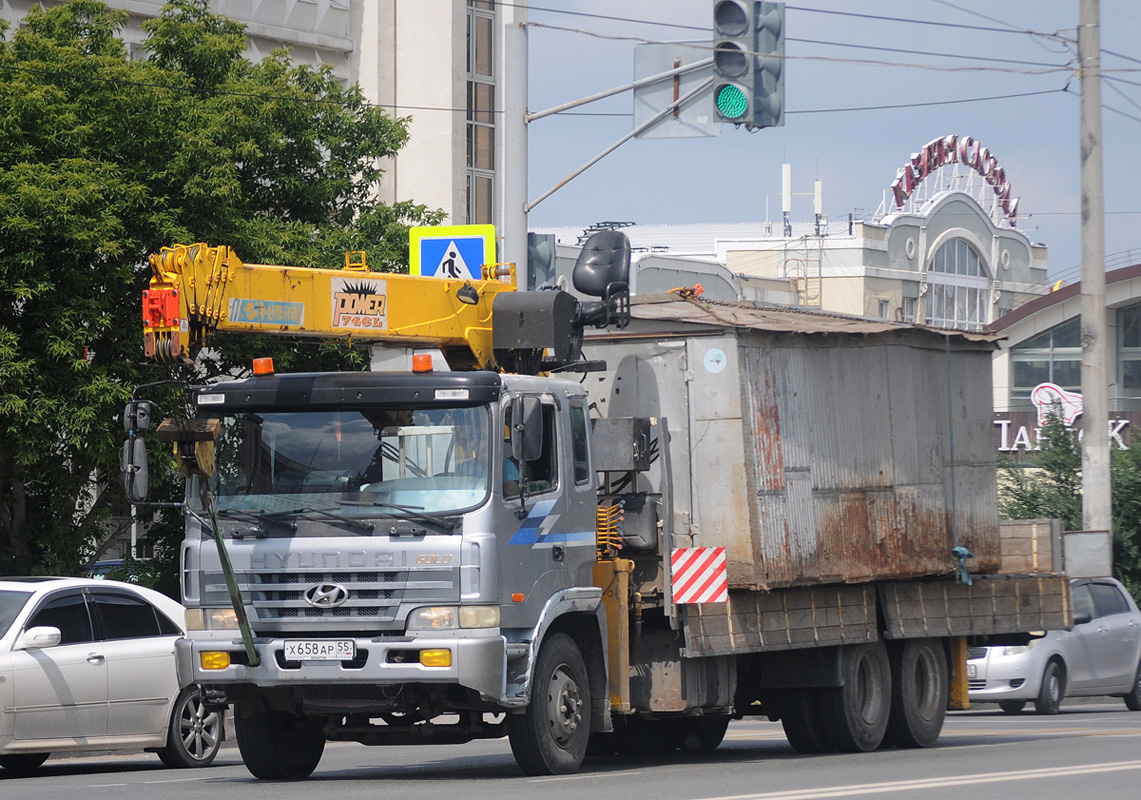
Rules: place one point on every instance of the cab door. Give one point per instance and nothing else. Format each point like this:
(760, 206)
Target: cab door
(60, 692)
(531, 512)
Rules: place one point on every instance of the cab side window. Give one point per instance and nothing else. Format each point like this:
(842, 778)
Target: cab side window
(68, 612)
(542, 474)
(579, 444)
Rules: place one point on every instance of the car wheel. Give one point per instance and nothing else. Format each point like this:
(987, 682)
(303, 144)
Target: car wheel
(1012, 706)
(1053, 689)
(1133, 699)
(23, 763)
(194, 734)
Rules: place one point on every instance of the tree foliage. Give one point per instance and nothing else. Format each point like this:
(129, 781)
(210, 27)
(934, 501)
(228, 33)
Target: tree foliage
(1050, 486)
(104, 160)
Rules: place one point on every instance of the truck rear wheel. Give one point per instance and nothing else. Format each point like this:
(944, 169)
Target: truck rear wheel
(920, 686)
(278, 746)
(551, 735)
(856, 714)
(802, 723)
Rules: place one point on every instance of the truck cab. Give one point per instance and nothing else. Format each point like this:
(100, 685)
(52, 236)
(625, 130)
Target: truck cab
(403, 544)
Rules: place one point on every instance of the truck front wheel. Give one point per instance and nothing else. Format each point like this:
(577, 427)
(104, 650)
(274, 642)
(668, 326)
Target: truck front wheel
(856, 714)
(551, 735)
(278, 746)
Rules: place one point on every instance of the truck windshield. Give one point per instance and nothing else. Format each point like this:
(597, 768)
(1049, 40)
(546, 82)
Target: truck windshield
(362, 462)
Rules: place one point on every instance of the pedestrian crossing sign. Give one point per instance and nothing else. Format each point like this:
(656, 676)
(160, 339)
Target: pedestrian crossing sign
(451, 251)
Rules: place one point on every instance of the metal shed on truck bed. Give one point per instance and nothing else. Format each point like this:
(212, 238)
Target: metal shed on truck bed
(816, 448)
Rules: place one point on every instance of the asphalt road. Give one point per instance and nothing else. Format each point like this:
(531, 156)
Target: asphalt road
(1090, 749)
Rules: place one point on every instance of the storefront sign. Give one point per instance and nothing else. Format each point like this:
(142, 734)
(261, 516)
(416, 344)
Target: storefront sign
(955, 150)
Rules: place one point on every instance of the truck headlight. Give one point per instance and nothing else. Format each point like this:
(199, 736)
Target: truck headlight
(433, 618)
(442, 618)
(479, 616)
(211, 619)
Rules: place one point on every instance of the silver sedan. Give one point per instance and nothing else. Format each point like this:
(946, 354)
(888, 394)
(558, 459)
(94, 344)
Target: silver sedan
(89, 665)
(1100, 655)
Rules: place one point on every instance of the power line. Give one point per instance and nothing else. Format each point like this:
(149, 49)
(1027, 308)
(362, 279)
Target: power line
(933, 23)
(922, 52)
(931, 103)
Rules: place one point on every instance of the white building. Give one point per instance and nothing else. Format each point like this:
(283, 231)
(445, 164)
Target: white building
(433, 61)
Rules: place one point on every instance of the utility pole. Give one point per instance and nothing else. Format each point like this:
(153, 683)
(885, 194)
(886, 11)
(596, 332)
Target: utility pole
(513, 68)
(1096, 497)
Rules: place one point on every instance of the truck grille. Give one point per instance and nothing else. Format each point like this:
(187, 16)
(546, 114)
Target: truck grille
(281, 595)
(375, 595)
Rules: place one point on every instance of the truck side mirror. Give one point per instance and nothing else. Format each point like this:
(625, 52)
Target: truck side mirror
(526, 429)
(137, 416)
(135, 469)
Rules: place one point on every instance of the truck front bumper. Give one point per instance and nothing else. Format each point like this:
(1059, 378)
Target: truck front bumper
(478, 662)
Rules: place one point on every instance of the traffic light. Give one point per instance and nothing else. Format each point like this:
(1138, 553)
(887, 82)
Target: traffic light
(748, 62)
(768, 70)
(734, 40)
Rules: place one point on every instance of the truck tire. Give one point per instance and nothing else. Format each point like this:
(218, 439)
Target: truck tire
(702, 734)
(920, 686)
(551, 735)
(802, 722)
(856, 714)
(194, 733)
(23, 763)
(278, 746)
(1133, 699)
(1049, 699)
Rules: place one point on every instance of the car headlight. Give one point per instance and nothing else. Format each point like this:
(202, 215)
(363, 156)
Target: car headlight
(1017, 650)
(443, 618)
(211, 619)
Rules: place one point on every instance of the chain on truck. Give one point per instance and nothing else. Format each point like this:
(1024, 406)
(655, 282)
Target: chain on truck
(586, 518)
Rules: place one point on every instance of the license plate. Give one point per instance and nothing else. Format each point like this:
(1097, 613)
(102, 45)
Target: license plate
(972, 670)
(320, 650)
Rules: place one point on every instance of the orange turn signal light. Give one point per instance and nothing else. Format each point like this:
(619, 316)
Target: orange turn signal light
(516, 597)
(263, 366)
(422, 362)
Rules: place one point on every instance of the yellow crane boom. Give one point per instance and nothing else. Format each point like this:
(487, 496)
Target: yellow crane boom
(199, 289)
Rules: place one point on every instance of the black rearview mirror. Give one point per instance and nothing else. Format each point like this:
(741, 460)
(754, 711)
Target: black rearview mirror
(526, 429)
(135, 478)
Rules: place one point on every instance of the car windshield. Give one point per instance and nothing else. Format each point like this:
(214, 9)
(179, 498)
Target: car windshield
(357, 462)
(11, 601)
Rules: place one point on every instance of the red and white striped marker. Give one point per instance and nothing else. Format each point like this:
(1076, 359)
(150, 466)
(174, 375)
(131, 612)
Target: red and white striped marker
(699, 575)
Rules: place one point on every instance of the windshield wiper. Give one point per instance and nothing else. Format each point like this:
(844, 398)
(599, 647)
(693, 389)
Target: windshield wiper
(412, 512)
(351, 521)
(257, 516)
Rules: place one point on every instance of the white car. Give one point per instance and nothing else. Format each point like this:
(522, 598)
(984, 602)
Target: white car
(89, 665)
(1100, 655)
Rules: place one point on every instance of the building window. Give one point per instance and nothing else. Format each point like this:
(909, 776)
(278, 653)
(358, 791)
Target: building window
(958, 288)
(480, 111)
(908, 308)
(1053, 356)
(1129, 350)
(883, 309)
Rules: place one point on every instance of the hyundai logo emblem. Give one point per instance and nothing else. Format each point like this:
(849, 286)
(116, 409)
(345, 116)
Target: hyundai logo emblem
(326, 595)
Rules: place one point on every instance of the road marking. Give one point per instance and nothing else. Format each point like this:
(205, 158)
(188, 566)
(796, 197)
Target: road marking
(935, 783)
(582, 775)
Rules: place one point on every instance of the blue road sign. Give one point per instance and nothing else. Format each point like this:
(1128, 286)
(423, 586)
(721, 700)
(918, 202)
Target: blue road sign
(458, 251)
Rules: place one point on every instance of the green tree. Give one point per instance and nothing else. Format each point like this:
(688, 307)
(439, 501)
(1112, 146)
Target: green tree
(104, 160)
(1050, 485)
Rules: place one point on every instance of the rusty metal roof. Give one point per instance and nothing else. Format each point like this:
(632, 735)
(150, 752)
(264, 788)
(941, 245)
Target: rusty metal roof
(674, 307)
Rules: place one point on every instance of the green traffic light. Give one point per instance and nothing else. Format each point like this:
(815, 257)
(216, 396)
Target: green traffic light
(731, 101)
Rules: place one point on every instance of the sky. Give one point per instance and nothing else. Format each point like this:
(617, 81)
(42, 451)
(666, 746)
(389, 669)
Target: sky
(926, 69)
